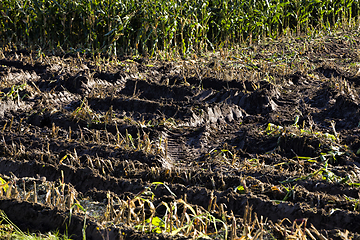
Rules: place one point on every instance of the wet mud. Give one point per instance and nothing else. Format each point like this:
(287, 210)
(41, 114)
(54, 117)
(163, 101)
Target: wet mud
(225, 135)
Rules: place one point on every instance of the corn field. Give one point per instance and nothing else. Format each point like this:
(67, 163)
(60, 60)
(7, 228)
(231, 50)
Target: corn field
(145, 27)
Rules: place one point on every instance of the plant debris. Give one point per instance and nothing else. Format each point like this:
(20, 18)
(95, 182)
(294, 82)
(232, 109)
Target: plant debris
(262, 144)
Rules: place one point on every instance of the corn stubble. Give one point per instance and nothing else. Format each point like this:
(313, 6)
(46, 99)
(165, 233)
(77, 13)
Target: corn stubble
(177, 217)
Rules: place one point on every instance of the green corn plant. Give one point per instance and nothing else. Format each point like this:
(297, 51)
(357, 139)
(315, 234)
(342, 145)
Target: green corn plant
(150, 27)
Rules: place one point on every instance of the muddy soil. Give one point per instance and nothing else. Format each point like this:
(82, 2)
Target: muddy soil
(271, 130)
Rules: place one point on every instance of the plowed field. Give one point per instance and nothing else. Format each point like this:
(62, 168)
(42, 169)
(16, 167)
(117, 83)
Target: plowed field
(262, 143)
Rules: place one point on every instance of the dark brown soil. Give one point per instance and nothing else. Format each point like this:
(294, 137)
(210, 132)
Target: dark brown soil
(202, 127)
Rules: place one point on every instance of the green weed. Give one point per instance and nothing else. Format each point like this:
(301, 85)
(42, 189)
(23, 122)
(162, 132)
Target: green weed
(14, 93)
